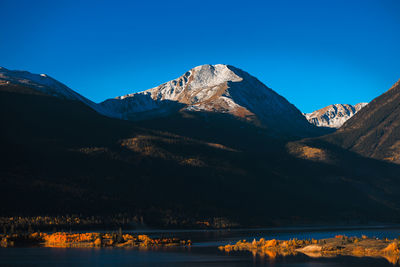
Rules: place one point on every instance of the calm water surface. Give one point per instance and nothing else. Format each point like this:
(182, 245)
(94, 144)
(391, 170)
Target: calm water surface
(203, 252)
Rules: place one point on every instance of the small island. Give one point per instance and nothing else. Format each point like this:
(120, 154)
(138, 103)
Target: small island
(88, 240)
(340, 245)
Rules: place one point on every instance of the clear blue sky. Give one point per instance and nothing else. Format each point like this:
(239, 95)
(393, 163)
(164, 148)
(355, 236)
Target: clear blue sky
(314, 53)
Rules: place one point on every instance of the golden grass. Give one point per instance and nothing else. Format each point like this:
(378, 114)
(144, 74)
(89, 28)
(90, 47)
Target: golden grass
(340, 245)
(65, 240)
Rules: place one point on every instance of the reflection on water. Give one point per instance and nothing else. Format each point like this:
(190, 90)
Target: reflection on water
(204, 251)
(331, 247)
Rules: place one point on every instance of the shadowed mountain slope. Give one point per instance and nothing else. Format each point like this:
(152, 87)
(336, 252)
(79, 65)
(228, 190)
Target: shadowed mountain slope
(375, 130)
(59, 156)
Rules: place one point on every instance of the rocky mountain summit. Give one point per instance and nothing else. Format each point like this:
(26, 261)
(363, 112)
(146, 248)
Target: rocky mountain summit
(333, 116)
(213, 88)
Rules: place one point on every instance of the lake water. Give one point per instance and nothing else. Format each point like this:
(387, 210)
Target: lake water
(203, 252)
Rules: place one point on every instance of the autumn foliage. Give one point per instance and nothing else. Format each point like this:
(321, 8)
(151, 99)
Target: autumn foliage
(63, 239)
(340, 245)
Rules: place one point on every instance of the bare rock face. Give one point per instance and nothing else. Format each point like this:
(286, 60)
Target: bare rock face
(333, 116)
(213, 88)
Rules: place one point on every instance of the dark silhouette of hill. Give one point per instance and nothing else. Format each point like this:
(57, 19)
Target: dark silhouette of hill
(375, 130)
(61, 157)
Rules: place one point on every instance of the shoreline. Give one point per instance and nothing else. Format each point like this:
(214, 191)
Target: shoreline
(340, 245)
(88, 240)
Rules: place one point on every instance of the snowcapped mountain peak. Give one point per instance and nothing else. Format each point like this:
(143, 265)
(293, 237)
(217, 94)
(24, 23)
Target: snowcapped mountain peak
(197, 85)
(212, 88)
(333, 116)
(188, 87)
(212, 75)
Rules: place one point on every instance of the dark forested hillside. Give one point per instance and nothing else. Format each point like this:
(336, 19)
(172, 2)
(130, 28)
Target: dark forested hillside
(61, 157)
(375, 130)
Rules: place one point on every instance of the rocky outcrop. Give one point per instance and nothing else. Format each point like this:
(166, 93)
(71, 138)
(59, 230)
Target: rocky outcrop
(333, 116)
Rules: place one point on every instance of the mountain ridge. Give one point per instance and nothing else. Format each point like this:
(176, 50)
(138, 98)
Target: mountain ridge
(47, 85)
(333, 116)
(374, 131)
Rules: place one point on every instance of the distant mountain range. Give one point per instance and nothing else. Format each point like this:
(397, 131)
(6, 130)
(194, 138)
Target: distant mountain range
(333, 116)
(214, 143)
(212, 88)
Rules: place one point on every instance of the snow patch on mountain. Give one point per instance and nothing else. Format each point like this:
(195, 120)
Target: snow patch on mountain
(333, 116)
(47, 85)
(213, 88)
